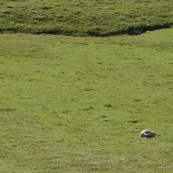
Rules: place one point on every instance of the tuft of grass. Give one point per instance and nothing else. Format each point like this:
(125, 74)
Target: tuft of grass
(86, 18)
(53, 94)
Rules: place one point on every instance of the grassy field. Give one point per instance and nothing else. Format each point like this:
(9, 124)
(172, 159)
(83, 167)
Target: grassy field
(71, 104)
(85, 17)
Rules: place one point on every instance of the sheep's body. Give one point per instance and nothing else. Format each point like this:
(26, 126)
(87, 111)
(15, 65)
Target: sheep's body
(147, 134)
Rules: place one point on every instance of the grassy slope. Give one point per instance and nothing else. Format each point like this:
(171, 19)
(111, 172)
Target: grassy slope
(81, 17)
(55, 96)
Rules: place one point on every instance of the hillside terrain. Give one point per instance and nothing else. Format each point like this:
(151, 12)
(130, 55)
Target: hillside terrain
(85, 17)
(76, 88)
(78, 104)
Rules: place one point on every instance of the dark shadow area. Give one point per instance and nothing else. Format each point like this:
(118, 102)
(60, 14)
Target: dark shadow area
(138, 30)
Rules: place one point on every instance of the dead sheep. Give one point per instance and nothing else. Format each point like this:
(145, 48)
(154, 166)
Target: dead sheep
(147, 134)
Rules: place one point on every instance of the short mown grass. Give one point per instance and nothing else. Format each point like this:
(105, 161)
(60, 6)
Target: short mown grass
(71, 104)
(86, 18)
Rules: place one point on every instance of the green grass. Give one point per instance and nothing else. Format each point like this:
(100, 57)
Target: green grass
(85, 17)
(71, 104)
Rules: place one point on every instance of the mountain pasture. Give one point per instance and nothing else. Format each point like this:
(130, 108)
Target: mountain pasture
(75, 104)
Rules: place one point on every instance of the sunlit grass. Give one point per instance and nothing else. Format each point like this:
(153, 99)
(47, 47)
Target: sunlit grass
(71, 104)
